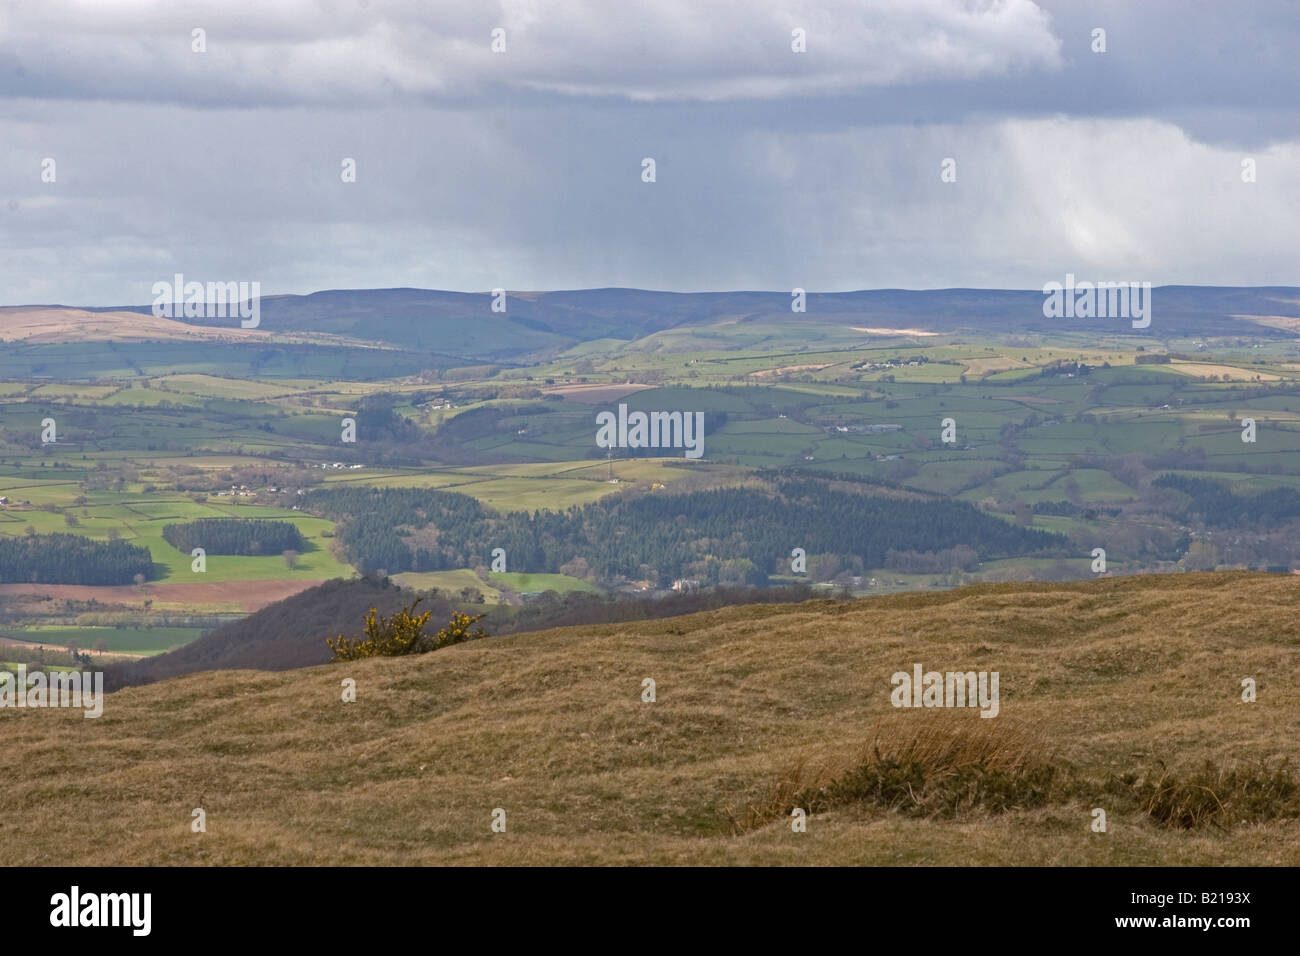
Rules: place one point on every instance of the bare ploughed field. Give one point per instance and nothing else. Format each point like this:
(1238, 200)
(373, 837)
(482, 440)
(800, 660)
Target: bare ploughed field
(770, 372)
(247, 595)
(596, 392)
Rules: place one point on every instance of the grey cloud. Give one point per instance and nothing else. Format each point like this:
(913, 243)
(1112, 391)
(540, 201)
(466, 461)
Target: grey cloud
(339, 54)
(527, 179)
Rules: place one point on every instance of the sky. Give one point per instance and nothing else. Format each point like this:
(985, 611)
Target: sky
(524, 169)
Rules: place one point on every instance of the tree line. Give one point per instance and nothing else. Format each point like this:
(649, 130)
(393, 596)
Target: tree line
(71, 559)
(247, 536)
(724, 536)
(1220, 507)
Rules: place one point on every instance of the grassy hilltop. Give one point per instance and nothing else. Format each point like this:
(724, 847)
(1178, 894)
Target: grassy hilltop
(1099, 680)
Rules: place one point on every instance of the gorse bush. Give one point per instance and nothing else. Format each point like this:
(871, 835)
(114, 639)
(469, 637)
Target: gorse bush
(458, 630)
(403, 633)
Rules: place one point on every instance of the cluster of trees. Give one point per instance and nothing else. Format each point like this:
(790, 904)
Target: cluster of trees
(378, 421)
(836, 568)
(234, 536)
(71, 559)
(1064, 367)
(962, 558)
(1066, 509)
(186, 478)
(729, 536)
(1262, 550)
(1220, 507)
(1072, 509)
(389, 438)
(378, 525)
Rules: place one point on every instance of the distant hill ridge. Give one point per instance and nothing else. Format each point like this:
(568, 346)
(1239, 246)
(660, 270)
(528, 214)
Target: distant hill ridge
(453, 322)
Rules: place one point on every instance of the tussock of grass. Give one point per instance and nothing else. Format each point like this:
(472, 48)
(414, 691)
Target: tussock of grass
(935, 767)
(946, 765)
(1213, 796)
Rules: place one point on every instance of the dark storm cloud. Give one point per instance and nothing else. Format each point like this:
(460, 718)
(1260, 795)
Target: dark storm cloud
(523, 169)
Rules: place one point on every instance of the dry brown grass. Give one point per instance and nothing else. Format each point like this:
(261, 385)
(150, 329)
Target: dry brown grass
(1102, 679)
(941, 765)
(925, 764)
(1215, 796)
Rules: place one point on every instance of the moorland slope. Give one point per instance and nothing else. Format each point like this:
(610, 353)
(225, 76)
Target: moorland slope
(1122, 694)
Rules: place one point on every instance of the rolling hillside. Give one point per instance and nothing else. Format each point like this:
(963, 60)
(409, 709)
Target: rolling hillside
(38, 324)
(461, 323)
(1100, 682)
(288, 634)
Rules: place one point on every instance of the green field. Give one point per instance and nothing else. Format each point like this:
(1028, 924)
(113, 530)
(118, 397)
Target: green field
(157, 433)
(140, 520)
(531, 486)
(451, 582)
(138, 641)
(537, 583)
